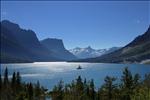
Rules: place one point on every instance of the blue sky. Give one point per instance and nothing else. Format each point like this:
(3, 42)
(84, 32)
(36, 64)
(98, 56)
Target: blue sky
(100, 24)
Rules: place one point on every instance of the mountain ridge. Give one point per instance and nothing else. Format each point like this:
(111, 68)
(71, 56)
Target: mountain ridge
(89, 52)
(27, 40)
(21, 45)
(135, 51)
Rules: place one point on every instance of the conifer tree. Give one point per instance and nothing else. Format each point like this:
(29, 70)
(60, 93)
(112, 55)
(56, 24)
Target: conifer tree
(86, 88)
(37, 90)
(0, 85)
(109, 86)
(13, 84)
(127, 85)
(30, 92)
(146, 83)
(18, 81)
(6, 77)
(79, 88)
(79, 84)
(60, 90)
(0, 82)
(92, 90)
(13, 81)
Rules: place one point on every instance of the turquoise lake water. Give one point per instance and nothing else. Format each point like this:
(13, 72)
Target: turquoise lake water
(50, 73)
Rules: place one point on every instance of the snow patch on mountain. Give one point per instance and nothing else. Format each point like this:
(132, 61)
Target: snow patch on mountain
(89, 52)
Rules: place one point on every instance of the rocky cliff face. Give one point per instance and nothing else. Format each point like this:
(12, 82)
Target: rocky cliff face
(57, 47)
(11, 50)
(22, 45)
(53, 44)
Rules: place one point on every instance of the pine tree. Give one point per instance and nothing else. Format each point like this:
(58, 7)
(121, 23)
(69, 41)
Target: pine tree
(127, 78)
(92, 90)
(13, 81)
(146, 83)
(13, 84)
(127, 85)
(58, 91)
(109, 86)
(18, 82)
(79, 88)
(0, 82)
(30, 92)
(86, 88)
(37, 90)
(6, 77)
(0, 85)
(79, 84)
(18, 79)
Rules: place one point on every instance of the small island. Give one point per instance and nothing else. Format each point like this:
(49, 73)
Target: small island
(79, 67)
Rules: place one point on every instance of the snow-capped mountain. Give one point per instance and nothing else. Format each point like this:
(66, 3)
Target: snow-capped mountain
(89, 52)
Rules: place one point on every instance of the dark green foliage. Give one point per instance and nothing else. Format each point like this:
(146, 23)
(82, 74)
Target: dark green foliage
(20, 97)
(30, 91)
(18, 82)
(109, 86)
(14, 89)
(131, 87)
(129, 84)
(79, 88)
(146, 87)
(18, 79)
(58, 91)
(127, 79)
(6, 77)
(13, 81)
(37, 90)
(92, 90)
(13, 84)
(0, 82)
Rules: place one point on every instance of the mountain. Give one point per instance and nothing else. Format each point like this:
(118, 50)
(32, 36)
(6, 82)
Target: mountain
(89, 52)
(136, 51)
(10, 47)
(20, 45)
(58, 49)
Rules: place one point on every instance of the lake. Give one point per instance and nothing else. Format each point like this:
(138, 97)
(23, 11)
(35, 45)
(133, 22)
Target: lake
(50, 73)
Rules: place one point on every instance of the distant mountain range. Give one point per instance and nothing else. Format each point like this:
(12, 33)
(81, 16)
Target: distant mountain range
(136, 51)
(20, 45)
(89, 52)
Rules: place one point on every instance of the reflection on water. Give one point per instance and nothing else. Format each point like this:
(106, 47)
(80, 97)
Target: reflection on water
(49, 73)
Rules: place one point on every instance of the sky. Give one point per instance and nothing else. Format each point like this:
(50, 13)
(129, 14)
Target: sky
(99, 24)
